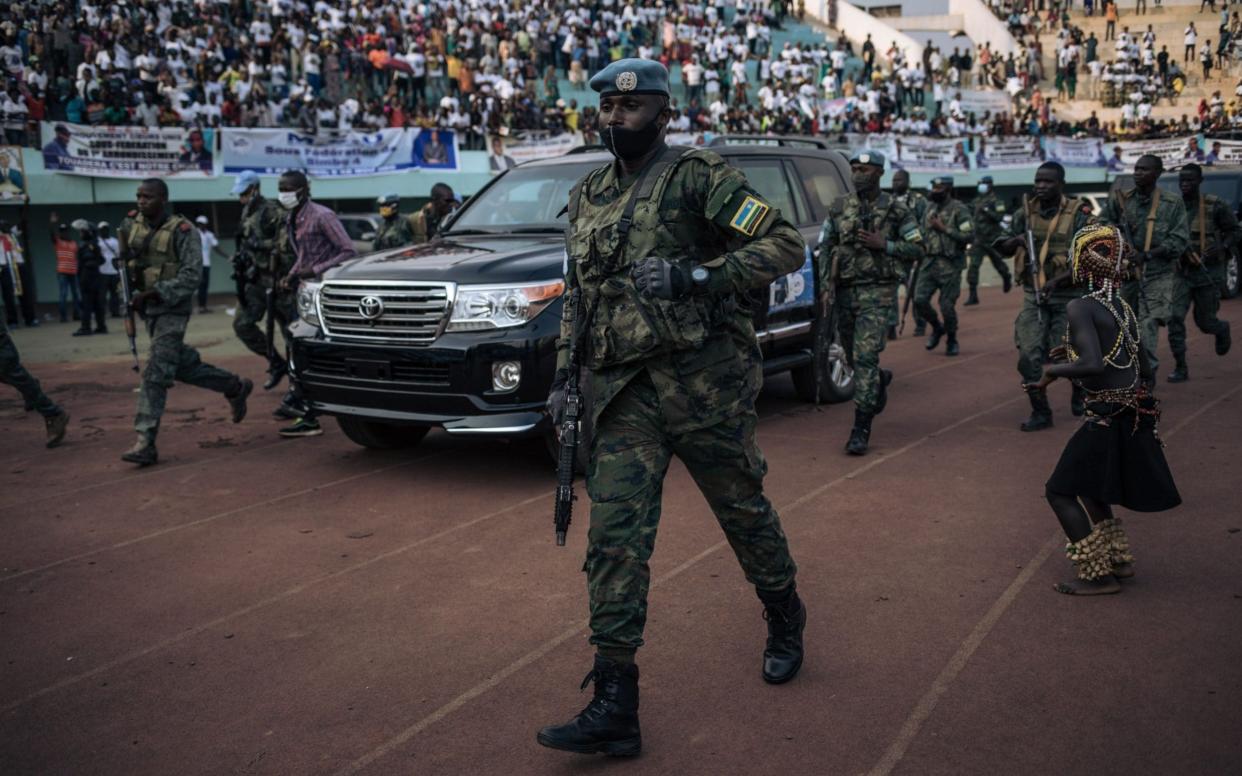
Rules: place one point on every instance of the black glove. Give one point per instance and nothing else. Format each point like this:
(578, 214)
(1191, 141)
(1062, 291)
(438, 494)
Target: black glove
(661, 278)
(555, 405)
(141, 300)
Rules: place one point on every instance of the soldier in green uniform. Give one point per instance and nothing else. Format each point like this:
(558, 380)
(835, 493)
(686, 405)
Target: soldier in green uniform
(1153, 222)
(261, 260)
(664, 246)
(946, 229)
(163, 256)
(989, 212)
(1054, 219)
(13, 373)
(916, 203)
(865, 243)
(1200, 274)
(393, 231)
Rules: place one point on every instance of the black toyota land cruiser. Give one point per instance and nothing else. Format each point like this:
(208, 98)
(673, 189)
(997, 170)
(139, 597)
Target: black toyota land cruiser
(460, 332)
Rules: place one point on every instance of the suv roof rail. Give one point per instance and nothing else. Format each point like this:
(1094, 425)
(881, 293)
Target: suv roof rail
(785, 141)
(586, 149)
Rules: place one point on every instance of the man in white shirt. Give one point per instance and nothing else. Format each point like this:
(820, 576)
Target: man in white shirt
(110, 248)
(210, 244)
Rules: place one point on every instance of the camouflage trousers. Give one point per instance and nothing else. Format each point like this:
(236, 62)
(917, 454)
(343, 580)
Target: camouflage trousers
(630, 454)
(1037, 330)
(13, 373)
(171, 359)
(1152, 302)
(1196, 287)
(943, 275)
(976, 256)
(862, 321)
(252, 309)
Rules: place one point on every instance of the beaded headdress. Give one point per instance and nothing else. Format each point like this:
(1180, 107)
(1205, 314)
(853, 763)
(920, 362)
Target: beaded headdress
(1098, 256)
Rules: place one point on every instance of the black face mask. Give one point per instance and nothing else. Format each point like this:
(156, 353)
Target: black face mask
(865, 183)
(940, 196)
(630, 144)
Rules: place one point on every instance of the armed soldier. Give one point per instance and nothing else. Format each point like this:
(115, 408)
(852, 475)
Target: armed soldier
(425, 223)
(13, 373)
(164, 256)
(916, 203)
(1047, 282)
(393, 231)
(865, 242)
(262, 259)
(663, 245)
(989, 212)
(1200, 273)
(1154, 223)
(946, 229)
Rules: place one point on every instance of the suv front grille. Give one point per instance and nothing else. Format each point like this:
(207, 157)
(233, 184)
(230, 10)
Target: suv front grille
(410, 313)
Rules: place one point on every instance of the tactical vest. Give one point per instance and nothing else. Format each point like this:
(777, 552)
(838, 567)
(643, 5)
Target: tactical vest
(1057, 259)
(857, 264)
(605, 240)
(159, 260)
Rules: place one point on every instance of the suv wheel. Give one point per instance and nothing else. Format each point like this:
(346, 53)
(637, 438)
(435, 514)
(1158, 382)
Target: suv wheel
(828, 359)
(377, 435)
(1231, 276)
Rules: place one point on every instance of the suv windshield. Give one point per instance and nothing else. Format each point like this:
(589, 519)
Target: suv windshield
(523, 197)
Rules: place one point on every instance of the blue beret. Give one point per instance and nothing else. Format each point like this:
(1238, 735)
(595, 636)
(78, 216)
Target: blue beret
(631, 76)
(946, 180)
(867, 156)
(245, 180)
(986, 179)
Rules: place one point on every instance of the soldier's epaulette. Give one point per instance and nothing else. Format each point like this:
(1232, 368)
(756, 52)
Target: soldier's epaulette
(185, 226)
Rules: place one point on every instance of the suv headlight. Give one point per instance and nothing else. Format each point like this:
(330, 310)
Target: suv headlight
(308, 302)
(497, 307)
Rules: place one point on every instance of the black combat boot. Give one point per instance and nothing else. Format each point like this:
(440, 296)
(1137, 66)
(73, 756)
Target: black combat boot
(276, 370)
(1181, 372)
(786, 616)
(1223, 340)
(56, 427)
(933, 339)
(237, 398)
(951, 348)
(1041, 412)
(1078, 405)
(972, 298)
(860, 435)
(609, 723)
(892, 333)
(1006, 282)
(886, 377)
(291, 407)
(142, 453)
(920, 328)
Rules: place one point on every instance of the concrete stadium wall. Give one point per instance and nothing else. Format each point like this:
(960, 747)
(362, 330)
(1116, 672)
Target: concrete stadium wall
(982, 26)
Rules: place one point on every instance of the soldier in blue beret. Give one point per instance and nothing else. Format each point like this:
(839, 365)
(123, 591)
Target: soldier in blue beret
(664, 247)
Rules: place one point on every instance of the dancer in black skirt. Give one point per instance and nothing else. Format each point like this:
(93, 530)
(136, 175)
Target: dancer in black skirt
(1116, 457)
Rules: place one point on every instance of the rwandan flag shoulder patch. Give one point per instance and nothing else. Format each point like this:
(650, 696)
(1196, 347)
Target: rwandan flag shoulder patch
(748, 216)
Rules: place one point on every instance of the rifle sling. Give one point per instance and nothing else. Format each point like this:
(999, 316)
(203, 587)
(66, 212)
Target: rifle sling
(1043, 251)
(1202, 230)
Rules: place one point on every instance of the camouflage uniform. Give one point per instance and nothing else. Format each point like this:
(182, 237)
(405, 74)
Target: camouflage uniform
(394, 233)
(1039, 328)
(1152, 296)
(916, 203)
(262, 237)
(941, 270)
(170, 265)
(866, 280)
(988, 212)
(671, 377)
(13, 373)
(1212, 235)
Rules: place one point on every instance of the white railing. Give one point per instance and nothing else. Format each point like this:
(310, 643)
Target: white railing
(857, 24)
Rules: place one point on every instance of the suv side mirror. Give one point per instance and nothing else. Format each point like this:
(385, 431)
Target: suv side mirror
(367, 236)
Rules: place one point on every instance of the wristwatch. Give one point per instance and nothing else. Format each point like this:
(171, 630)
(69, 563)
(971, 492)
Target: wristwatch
(700, 275)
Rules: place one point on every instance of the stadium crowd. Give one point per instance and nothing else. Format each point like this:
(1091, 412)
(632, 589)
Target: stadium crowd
(483, 67)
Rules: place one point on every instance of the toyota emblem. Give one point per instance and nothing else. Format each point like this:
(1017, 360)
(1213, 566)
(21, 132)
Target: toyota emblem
(370, 307)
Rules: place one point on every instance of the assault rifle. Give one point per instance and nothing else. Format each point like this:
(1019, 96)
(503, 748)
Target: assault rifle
(244, 270)
(121, 262)
(570, 429)
(1032, 261)
(912, 278)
